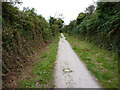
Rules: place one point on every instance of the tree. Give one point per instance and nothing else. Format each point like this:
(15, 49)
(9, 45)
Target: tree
(56, 25)
(90, 9)
(80, 17)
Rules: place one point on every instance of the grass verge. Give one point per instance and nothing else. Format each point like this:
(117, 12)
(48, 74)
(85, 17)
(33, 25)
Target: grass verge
(41, 73)
(102, 63)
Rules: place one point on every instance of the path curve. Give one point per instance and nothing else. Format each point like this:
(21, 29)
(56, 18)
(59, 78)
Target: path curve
(70, 72)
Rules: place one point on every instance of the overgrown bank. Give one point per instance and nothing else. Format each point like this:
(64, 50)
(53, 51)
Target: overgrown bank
(99, 24)
(102, 63)
(23, 33)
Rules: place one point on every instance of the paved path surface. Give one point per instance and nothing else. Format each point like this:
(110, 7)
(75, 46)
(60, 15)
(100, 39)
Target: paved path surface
(70, 72)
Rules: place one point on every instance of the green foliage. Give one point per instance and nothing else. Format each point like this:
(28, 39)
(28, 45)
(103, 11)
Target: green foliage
(90, 9)
(80, 18)
(70, 28)
(55, 25)
(24, 32)
(100, 26)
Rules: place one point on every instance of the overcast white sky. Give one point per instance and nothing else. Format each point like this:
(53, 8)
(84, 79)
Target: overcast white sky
(69, 8)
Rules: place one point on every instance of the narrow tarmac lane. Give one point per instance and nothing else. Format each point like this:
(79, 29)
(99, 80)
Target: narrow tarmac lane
(70, 72)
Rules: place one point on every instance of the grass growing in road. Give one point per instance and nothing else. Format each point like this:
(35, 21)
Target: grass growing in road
(41, 75)
(102, 63)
